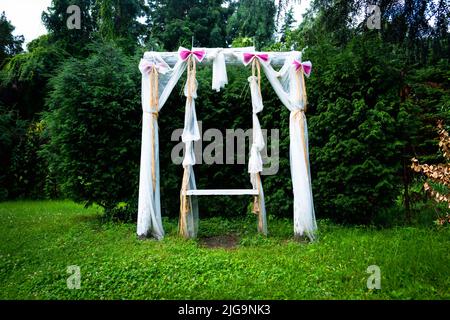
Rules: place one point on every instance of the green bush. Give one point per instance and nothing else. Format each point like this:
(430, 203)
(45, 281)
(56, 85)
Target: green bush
(355, 152)
(94, 127)
(23, 171)
(29, 168)
(359, 129)
(11, 128)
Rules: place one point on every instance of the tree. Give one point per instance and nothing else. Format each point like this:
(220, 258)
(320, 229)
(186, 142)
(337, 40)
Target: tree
(418, 74)
(94, 129)
(12, 128)
(73, 41)
(253, 18)
(118, 22)
(408, 24)
(25, 77)
(10, 45)
(23, 89)
(175, 22)
(289, 20)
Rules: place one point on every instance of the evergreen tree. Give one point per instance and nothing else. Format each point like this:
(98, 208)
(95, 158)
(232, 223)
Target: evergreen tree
(9, 44)
(289, 21)
(118, 21)
(73, 41)
(94, 107)
(255, 19)
(175, 22)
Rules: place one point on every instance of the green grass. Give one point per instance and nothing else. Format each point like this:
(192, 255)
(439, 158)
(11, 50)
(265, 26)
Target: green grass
(40, 239)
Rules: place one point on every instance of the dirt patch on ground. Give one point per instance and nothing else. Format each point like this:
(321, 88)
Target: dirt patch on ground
(228, 241)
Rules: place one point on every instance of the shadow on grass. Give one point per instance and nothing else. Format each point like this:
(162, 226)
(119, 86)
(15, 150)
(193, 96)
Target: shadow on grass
(94, 221)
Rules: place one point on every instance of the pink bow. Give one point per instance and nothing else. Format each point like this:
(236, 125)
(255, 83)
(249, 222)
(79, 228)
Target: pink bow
(185, 53)
(147, 66)
(306, 66)
(249, 57)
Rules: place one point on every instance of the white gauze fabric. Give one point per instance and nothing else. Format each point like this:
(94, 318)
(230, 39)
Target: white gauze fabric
(288, 89)
(149, 205)
(219, 68)
(190, 134)
(255, 163)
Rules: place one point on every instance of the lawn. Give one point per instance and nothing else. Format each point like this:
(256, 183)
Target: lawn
(40, 239)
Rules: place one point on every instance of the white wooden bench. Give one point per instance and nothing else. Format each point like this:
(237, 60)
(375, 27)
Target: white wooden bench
(221, 192)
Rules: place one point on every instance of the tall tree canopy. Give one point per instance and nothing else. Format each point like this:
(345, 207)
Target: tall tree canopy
(71, 40)
(417, 25)
(253, 18)
(175, 22)
(118, 21)
(10, 45)
(374, 98)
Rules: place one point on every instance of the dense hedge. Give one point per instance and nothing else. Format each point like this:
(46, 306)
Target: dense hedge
(94, 127)
(357, 134)
(94, 124)
(374, 99)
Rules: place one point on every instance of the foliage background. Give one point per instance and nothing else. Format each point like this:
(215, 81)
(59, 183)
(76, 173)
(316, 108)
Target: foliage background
(70, 113)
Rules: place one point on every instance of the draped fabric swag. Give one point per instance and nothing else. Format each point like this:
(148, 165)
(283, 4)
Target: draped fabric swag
(158, 81)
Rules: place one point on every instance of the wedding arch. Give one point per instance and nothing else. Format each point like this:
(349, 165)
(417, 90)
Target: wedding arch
(161, 72)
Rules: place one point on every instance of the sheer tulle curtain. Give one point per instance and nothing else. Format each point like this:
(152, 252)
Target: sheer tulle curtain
(255, 163)
(158, 81)
(289, 86)
(188, 222)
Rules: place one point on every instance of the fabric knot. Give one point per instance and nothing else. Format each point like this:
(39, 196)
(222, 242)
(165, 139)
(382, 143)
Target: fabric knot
(248, 57)
(186, 53)
(305, 66)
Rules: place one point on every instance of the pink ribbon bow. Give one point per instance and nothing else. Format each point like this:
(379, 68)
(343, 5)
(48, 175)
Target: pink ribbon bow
(147, 66)
(306, 66)
(185, 53)
(249, 57)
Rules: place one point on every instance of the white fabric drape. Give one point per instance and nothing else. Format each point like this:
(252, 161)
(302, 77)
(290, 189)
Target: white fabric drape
(255, 163)
(219, 68)
(191, 131)
(289, 88)
(219, 71)
(188, 204)
(149, 205)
